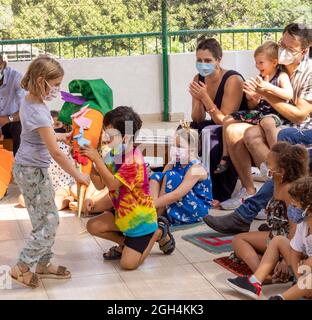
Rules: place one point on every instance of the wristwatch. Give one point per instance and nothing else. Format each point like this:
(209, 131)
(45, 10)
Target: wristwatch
(11, 119)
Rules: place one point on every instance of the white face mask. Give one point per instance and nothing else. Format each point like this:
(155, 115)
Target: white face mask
(285, 57)
(178, 154)
(54, 92)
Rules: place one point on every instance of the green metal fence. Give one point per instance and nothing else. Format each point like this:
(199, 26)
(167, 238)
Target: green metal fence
(137, 44)
(134, 44)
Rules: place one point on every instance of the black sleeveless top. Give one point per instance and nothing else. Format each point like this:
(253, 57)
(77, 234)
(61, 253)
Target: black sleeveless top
(219, 95)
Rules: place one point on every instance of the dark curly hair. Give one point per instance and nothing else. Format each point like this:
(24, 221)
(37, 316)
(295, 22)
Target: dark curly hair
(301, 191)
(294, 159)
(118, 118)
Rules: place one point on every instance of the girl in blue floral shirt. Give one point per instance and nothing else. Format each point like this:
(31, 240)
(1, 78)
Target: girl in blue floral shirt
(183, 191)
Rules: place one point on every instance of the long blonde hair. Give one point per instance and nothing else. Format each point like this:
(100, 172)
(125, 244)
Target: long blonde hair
(44, 66)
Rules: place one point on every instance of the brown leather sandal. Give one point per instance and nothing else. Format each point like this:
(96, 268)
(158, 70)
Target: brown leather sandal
(20, 279)
(61, 273)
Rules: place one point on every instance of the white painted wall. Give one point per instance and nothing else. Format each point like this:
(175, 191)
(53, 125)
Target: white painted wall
(137, 80)
(182, 71)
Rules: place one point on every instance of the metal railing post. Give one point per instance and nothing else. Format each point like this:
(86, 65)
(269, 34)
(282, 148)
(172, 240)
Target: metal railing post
(164, 8)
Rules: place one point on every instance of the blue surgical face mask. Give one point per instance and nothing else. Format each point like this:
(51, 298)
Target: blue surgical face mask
(297, 215)
(205, 69)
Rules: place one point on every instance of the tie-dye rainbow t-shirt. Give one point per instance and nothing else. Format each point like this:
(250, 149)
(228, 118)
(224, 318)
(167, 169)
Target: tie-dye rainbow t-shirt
(135, 214)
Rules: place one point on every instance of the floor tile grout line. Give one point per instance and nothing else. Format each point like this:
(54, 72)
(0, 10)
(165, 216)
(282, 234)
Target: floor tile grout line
(211, 282)
(125, 284)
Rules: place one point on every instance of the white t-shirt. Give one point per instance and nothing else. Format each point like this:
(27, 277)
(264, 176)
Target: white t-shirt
(302, 241)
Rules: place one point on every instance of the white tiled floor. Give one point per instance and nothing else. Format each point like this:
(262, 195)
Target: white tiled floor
(189, 273)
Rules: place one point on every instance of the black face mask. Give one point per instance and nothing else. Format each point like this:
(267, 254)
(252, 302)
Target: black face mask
(60, 130)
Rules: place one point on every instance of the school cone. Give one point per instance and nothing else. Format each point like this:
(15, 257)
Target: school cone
(92, 134)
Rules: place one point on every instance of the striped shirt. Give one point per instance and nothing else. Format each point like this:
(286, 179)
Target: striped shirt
(301, 81)
(11, 92)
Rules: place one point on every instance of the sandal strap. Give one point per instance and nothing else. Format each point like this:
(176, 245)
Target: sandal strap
(169, 246)
(163, 224)
(61, 271)
(112, 253)
(20, 274)
(34, 280)
(113, 250)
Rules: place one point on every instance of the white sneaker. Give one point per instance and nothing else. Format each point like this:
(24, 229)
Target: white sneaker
(257, 175)
(261, 215)
(236, 200)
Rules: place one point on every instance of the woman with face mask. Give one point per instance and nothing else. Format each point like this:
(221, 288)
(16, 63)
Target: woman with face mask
(297, 252)
(286, 164)
(215, 92)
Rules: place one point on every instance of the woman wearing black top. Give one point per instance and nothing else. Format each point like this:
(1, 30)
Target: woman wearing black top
(217, 92)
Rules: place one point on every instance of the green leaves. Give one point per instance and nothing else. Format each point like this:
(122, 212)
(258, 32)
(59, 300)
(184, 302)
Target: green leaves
(55, 18)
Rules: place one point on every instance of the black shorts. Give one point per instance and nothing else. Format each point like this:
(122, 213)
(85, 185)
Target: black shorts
(138, 244)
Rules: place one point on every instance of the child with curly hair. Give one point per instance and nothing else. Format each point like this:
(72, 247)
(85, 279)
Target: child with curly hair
(297, 252)
(287, 163)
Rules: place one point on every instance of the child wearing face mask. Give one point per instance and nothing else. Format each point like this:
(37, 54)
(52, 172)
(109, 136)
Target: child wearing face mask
(261, 112)
(287, 163)
(183, 191)
(131, 218)
(38, 143)
(297, 252)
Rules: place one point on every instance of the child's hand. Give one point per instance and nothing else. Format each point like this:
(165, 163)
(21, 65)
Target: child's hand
(89, 152)
(250, 93)
(83, 179)
(250, 88)
(264, 84)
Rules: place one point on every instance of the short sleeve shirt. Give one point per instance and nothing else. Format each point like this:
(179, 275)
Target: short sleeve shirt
(301, 81)
(135, 213)
(302, 241)
(33, 151)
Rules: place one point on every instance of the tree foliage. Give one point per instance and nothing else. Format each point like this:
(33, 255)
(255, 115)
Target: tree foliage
(53, 18)
(22, 19)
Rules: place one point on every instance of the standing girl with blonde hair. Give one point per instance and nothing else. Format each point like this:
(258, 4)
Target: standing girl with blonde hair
(38, 144)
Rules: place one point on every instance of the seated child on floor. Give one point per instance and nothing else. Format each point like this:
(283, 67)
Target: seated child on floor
(287, 163)
(297, 252)
(183, 191)
(272, 80)
(132, 223)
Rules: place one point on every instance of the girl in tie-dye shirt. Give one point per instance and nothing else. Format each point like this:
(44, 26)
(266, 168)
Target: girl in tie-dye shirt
(133, 222)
